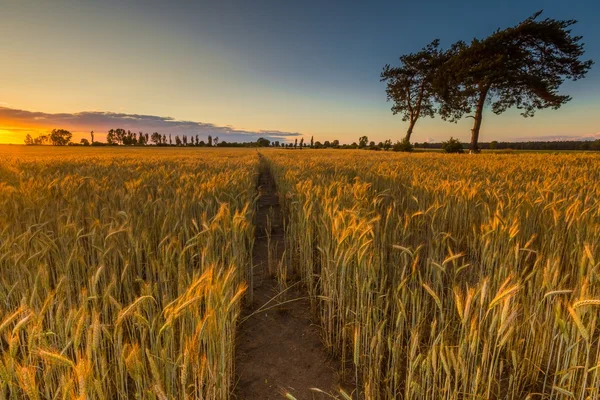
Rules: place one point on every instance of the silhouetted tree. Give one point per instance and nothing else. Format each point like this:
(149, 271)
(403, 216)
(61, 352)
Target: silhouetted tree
(410, 86)
(362, 142)
(301, 143)
(41, 139)
(177, 140)
(521, 66)
(60, 137)
(452, 146)
(84, 142)
(262, 142)
(312, 142)
(155, 138)
(92, 135)
(210, 141)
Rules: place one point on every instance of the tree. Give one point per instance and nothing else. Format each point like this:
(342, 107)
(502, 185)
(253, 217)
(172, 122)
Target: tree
(115, 136)
(410, 86)
(296, 143)
(210, 141)
(42, 139)
(335, 144)
(362, 142)
(118, 135)
(29, 140)
(60, 137)
(312, 142)
(156, 138)
(301, 143)
(262, 142)
(128, 138)
(387, 144)
(84, 142)
(92, 135)
(452, 146)
(403, 145)
(177, 140)
(216, 140)
(521, 66)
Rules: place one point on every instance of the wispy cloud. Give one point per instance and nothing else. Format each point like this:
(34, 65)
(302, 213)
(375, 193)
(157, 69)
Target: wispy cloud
(100, 122)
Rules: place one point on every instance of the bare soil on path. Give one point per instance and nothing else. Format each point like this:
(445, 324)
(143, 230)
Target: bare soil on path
(279, 350)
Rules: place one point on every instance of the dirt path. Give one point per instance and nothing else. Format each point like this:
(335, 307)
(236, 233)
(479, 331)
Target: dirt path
(279, 350)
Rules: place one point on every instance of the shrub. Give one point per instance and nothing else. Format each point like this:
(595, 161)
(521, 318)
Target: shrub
(403, 145)
(453, 146)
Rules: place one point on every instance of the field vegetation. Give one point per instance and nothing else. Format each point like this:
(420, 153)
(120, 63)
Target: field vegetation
(433, 276)
(451, 277)
(121, 273)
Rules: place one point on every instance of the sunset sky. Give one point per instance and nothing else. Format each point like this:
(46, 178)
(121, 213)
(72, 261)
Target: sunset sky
(243, 69)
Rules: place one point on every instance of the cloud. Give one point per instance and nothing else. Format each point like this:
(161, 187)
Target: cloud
(100, 122)
(557, 138)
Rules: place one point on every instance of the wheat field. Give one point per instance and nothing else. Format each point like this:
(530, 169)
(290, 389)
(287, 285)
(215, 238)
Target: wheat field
(451, 277)
(123, 271)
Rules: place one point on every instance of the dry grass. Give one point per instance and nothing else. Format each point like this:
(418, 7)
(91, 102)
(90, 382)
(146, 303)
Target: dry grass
(451, 277)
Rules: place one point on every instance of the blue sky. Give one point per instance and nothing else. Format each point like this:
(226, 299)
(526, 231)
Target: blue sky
(254, 66)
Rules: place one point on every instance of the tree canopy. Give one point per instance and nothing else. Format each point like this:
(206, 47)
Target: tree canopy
(60, 137)
(410, 85)
(521, 66)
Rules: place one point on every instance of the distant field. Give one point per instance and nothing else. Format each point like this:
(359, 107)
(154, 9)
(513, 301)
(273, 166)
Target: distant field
(123, 270)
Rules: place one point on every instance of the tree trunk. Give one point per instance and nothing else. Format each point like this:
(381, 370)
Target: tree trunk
(477, 122)
(409, 131)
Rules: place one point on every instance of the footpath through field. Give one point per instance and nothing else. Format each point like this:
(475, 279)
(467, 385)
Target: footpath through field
(279, 350)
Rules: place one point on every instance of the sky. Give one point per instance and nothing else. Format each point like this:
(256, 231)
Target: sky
(244, 69)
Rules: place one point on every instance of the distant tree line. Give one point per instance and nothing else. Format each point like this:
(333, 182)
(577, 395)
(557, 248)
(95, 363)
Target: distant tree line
(120, 137)
(521, 66)
(579, 145)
